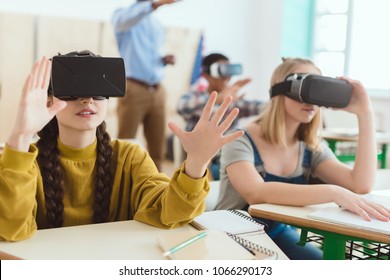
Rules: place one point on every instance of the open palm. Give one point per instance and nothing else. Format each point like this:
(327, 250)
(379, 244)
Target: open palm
(206, 139)
(34, 112)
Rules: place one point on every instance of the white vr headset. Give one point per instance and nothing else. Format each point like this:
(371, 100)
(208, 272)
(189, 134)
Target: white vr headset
(223, 70)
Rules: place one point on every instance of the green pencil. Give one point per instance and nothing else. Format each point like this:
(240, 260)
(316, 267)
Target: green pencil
(184, 244)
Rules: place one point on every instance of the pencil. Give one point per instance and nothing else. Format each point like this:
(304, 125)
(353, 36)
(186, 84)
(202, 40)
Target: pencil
(184, 244)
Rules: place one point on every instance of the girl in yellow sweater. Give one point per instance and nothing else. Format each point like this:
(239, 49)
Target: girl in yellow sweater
(76, 175)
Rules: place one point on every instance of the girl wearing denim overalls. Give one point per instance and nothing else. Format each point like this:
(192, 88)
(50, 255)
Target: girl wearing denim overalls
(281, 151)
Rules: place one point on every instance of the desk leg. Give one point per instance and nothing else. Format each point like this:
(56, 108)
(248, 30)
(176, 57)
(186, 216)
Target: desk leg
(334, 247)
(332, 145)
(383, 158)
(303, 239)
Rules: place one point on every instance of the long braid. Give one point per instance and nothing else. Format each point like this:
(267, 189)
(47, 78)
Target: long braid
(103, 175)
(51, 171)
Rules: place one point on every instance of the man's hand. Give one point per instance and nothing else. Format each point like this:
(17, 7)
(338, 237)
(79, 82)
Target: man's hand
(160, 3)
(169, 59)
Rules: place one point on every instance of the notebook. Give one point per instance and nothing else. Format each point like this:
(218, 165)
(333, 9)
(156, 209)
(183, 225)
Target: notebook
(231, 221)
(216, 245)
(342, 216)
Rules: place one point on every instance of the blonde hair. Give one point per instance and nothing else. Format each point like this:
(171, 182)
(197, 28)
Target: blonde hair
(272, 120)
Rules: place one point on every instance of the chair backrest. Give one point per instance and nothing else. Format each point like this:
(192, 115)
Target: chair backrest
(212, 197)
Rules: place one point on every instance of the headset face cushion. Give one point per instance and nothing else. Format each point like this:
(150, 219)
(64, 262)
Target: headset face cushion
(88, 76)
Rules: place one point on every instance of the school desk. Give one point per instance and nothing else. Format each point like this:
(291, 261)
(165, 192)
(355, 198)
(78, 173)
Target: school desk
(112, 241)
(335, 235)
(335, 136)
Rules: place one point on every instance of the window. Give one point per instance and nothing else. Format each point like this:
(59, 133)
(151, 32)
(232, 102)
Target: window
(330, 36)
(351, 38)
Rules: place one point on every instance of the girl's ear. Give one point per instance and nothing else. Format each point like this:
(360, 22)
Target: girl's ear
(50, 101)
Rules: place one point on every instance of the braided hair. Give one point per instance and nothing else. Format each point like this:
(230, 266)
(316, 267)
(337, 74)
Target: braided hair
(52, 171)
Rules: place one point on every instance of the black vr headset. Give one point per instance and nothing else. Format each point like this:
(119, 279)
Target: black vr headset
(314, 89)
(222, 70)
(87, 76)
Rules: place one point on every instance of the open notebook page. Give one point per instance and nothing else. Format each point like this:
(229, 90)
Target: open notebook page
(231, 221)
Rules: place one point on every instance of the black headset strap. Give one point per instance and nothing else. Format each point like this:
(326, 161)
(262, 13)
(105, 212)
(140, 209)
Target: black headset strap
(280, 88)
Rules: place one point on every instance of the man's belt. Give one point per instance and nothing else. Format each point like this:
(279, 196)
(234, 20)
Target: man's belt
(150, 88)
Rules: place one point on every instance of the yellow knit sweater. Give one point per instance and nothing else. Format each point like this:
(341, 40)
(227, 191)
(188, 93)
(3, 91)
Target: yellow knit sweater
(139, 191)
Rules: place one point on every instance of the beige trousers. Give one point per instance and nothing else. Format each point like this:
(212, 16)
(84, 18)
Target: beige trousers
(140, 105)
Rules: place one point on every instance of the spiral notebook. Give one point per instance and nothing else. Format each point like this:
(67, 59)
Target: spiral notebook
(230, 221)
(216, 245)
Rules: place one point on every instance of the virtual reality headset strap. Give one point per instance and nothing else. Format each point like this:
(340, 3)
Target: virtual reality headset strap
(280, 88)
(287, 87)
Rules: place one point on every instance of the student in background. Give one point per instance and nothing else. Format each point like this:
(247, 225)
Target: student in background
(273, 161)
(76, 175)
(190, 105)
(140, 38)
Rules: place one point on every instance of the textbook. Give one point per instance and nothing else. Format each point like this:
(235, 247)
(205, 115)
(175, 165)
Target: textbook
(230, 221)
(342, 216)
(213, 245)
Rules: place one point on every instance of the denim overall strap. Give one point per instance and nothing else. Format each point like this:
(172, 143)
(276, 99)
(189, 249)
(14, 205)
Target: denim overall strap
(257, 158)
(306, 164)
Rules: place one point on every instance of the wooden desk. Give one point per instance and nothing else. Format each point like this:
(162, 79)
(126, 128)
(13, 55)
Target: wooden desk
(333, 136)
(112, 241)
(335, 235)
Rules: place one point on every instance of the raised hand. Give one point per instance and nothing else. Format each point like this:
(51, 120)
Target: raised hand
(34, 110)
(207, 138)
(169, 59)
(233, 90)
(157, 4)
(360, 101)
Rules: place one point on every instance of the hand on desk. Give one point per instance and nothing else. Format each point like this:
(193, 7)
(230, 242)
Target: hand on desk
(360, 205)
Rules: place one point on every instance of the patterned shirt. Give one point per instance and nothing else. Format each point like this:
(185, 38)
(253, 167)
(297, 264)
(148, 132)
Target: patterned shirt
(190, 107)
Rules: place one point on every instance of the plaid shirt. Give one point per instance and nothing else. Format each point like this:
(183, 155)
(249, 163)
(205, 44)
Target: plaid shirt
(191, 105)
